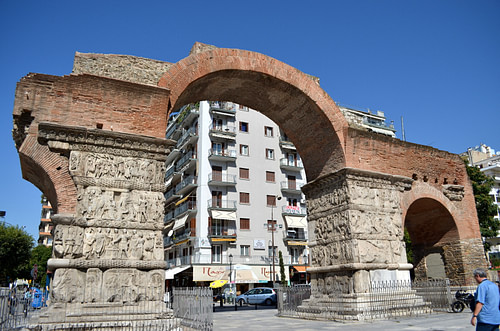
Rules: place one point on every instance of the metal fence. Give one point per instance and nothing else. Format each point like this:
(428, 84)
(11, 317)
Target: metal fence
(194, 307)
(187, 309)
(383, 300)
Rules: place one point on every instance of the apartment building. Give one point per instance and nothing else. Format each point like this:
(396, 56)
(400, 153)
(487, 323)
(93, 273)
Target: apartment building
(45, 236)
(233, 199)
(488, 161)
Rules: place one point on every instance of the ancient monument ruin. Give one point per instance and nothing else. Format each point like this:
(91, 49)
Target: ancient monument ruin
(93, 143)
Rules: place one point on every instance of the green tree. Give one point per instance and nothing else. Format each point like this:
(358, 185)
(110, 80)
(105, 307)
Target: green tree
(15, 252)
(39, 256)
(486, 209)
(409, 247)
(282, 270)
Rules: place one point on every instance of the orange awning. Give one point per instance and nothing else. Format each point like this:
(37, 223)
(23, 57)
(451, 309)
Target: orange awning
(300, 268)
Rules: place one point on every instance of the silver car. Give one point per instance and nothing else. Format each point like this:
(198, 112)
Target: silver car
(257, 296)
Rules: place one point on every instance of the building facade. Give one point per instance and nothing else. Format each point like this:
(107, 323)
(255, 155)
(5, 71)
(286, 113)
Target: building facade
(233, 194)
(488, 161)
(45, 235)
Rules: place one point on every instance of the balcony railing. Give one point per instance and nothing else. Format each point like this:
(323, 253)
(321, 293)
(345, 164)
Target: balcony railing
(221, 155)
(191, 132)
(225, 131)
(223, 106)
(185, 159)
(189, 205)
(294, 235)
(219, 179)
(189, 113)
(295, 165)
(186, 184)
(291, 187)
(294, 210)
(222, 232)
(221, 204)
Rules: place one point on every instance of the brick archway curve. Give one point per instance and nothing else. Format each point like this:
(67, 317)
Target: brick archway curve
(292, 99)
(422, 191)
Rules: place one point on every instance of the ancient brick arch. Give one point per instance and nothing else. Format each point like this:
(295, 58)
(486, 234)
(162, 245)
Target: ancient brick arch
(95, 144)
(286, 95)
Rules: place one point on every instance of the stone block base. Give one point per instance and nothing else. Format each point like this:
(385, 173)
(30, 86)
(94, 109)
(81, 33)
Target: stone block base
(364, 306)
(106, 316)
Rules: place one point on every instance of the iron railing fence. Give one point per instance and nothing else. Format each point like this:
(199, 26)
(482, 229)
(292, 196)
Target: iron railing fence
(382, 300)
(16, 307)
(193, 305)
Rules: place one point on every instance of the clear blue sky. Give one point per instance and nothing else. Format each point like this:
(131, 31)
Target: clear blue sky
(434, 63)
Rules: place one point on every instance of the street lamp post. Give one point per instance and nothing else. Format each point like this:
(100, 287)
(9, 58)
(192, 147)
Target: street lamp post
(231, 275)
(273, 228)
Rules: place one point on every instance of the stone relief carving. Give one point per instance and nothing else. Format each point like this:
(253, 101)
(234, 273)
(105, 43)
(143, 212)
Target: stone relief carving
(133, 206)
(132, 285)
(68, 241)
(67, 285)
(116, 244)
(93, 285)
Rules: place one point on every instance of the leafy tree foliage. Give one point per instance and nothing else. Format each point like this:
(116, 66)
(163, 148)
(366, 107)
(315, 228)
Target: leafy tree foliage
(39, 256)
(282, 270)
(15, 252)
(486, 209)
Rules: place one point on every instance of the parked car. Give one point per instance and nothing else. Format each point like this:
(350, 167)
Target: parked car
(257, 296)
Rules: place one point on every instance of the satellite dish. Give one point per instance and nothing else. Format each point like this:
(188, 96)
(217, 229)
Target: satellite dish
(170, 233)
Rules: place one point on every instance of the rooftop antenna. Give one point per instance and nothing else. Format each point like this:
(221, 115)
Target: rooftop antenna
(403, 129)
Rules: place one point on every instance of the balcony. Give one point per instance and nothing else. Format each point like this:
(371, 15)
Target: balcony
(222, 204)
(291, 187)
(188, 137)
(171, 196)
(173, 131)
(292, 165)
(174, 154)
(222, 233)
(221, 155)
(187, 206)
(219, 179)
(168, 217)
(187, 115)
(186, 185)
(286, 144)
(223, 132)
(180, 261)
(291, 236)
(186, 161)
(223, 108)
(293, 211)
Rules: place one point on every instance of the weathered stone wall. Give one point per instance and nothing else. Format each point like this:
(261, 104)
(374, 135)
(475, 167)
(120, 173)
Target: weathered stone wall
(124, 67)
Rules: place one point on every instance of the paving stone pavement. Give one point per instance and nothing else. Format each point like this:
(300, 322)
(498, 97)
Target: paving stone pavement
(266, 319)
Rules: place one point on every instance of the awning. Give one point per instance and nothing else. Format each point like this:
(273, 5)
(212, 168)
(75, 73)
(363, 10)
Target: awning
(224, 215)
(223, 239)
(168, 226)
(300, 268)
(182, 200)
(179, 223)
(170, 273)
(382, 131)
(297, 243)
(296, 221)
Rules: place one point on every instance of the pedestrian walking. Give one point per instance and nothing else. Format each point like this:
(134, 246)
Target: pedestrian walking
(486, 315)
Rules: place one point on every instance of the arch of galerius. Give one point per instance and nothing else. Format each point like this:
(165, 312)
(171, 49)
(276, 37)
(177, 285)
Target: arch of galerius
(93, 143)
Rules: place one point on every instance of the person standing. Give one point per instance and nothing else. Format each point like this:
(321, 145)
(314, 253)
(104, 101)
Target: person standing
(486, 315)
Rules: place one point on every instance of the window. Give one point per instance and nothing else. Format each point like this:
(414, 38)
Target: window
(217, 124)
(217, 199)
(244, 224)
(244, 150)
(216, 254)
(218, 148)
(244, 173)
(270, 177)
(244, 250)
(271, 200)
(244, 197)
(243, 126)
(269, 154)
(217, 173)
(268, 131)
(271, 225)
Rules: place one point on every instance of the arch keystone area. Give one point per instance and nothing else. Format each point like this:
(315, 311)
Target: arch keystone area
(93, 142)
